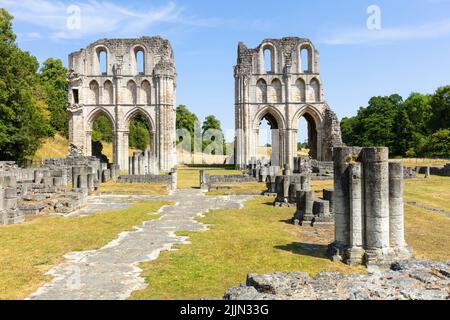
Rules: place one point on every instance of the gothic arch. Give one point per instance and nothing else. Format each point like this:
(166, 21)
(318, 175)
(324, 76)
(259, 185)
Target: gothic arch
(315, 87)
(131, 96)
(299, 91)
(96, 63)
(136, 111)
(97, 112)
(275, 95)
(261, 91)
(146, 93)
(310, 111)
(310, 58)
(273, 58)
(134, 61)
(270, 113)
(108, 93)
(94, 93)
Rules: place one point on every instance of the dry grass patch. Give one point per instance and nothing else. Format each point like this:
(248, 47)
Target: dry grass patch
(433, 192)
(112, 187)
(29, 250)
(428, 234)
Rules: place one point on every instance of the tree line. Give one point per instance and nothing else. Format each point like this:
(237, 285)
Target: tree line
(416, 127)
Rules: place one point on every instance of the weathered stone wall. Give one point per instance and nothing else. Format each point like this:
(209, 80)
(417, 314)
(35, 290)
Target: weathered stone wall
(208, 180)
(445, 171)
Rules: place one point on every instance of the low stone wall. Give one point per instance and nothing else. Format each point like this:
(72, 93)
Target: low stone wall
(208, 180)
(169, 179)
(445, 171)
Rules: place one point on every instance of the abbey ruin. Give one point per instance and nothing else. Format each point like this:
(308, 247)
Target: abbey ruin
(279, 81)
(105, 79)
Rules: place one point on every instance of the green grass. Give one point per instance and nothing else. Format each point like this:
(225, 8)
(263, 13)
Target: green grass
(29, 250)
(252, 240)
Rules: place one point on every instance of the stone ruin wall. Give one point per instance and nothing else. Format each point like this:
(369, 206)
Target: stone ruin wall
(282, 96)
(121, 92)
(60, 186)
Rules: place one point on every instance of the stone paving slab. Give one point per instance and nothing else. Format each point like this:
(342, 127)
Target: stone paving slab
(112, 272)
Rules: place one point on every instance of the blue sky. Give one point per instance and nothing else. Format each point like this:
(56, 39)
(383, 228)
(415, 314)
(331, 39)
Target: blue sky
(411, 52)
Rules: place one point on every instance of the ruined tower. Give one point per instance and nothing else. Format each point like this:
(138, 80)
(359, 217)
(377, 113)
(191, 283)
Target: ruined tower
(107, 78)
(279, 81)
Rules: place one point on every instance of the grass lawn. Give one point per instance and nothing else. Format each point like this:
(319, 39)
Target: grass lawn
(433, 192)
(258, 240)
(29, 250)
(253, 240)
(112, 187)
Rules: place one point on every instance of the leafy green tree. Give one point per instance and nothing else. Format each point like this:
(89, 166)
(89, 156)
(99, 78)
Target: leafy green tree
(212, 138)
(373, 125)
(440, 105)
(188, 121)
(139, 137)
(411, 125)
(23, 110)
(438, 144)
(53, 78)
(102, 130)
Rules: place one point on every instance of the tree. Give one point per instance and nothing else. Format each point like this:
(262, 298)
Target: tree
(53, 77)
(186, 120)
(411, 125)
(139, 137)
(102, 130)
(373, 125)
(211, 122)
(440, 105)
(438, 144)
(212, 135)
(23, 110)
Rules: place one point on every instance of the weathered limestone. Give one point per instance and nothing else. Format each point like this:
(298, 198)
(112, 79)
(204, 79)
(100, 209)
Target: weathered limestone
(368, 207)
(282, 95)
(120, 90)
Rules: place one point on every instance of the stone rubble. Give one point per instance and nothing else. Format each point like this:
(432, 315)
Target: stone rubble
(407, 280)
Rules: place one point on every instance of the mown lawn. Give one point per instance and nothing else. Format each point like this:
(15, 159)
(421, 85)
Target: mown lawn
(29, 250)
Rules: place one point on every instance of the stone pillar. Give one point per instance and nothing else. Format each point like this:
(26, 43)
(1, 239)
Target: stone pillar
(173, 181)
(341, 192)
(90, 182)
(135, 163)
(130, 166)
(376, 201)
(76, 172)
(427, 172)
(203, 182)
(356, 252)
(396, 209)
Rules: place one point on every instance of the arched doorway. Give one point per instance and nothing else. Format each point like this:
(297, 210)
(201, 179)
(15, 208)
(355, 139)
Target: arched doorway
(268, 138)
(100, 138)
(140, 140)
(307, 140)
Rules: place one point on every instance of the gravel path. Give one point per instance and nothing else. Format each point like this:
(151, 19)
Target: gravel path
(112, 272)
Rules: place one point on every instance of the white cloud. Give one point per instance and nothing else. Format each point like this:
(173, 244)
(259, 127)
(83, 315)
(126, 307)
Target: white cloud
(364, 36)
(97, 17)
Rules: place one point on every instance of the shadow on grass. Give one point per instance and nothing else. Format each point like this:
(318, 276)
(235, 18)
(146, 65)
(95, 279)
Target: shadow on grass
(305, 249)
